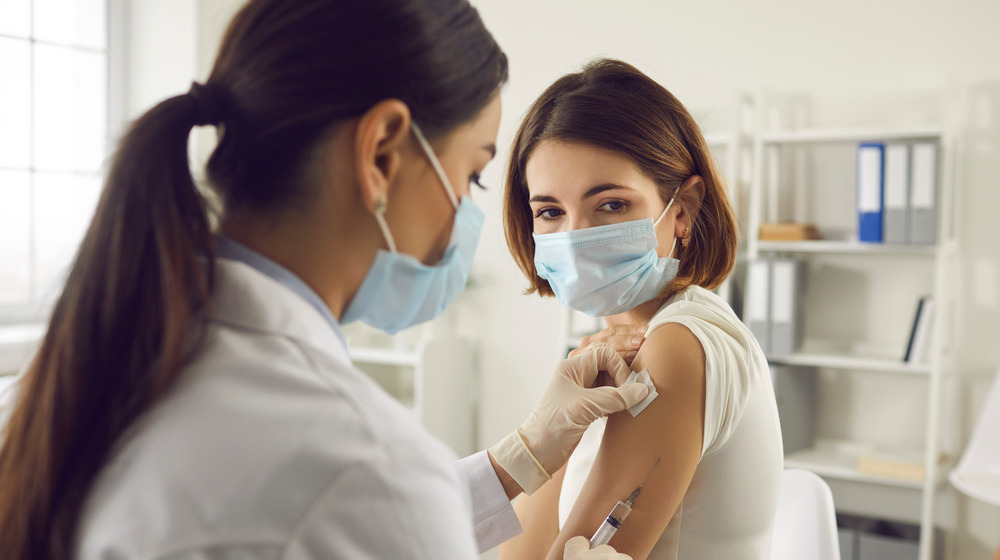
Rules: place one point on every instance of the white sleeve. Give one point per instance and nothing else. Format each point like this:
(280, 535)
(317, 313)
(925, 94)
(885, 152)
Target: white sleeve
(493, 515)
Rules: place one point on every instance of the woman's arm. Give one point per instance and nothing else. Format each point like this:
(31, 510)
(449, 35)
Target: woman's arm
(539, 517)
(670, 430)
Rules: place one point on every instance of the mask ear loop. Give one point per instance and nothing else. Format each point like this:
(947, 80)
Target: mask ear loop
(663, 215)
(669, 204)
(380, 206)
(425, 145)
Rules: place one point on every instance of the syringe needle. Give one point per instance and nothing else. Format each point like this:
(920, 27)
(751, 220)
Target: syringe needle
(635, 493)
(633, 496)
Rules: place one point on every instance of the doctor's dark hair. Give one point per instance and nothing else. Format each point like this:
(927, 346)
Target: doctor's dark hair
(613, 106)
(130, 314)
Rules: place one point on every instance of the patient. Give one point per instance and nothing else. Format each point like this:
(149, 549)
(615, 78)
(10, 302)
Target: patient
(613, 205)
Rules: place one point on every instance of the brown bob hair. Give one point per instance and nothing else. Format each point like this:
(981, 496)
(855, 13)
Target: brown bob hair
(614, 106)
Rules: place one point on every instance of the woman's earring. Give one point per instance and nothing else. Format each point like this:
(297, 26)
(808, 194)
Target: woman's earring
(380, 206)
(686, 238)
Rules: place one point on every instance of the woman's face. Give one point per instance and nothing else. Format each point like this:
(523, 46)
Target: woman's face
(421, 216)
(575, 186)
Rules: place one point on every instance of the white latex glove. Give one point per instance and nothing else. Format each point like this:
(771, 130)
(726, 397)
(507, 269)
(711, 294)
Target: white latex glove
(543, 443)
(578, 548)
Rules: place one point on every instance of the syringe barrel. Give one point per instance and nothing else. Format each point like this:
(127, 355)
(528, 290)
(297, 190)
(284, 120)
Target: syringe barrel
(610, 525)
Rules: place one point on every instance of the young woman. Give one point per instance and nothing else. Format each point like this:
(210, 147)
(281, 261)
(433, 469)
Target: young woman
(193, 397)
(613, 205)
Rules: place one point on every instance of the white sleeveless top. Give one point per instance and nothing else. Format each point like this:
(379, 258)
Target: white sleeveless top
(728, 510)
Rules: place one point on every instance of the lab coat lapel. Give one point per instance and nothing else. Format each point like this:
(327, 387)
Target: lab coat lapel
(245, 298)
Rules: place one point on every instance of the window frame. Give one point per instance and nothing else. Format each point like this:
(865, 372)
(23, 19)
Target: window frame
(36, 310)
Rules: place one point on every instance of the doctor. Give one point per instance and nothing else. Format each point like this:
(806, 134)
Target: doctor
(193, 397)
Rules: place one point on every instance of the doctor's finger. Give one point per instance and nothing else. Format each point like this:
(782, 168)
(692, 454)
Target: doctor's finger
(624, 339)
(614, 364)
(606, 401)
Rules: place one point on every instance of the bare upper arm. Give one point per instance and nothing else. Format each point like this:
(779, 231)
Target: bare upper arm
(670, 430)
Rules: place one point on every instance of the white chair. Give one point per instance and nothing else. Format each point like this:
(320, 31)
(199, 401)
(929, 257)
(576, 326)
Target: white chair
(806, 524)
(978, 472)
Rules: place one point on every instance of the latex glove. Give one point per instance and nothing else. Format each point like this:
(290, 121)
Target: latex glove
(543, 443)
(578, 548)
(625, 339)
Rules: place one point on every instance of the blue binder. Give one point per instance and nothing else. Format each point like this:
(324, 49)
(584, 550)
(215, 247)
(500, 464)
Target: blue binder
(871, 182)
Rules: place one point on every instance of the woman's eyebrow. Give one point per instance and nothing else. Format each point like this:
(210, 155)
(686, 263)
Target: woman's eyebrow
(592, 192)
(602, 188)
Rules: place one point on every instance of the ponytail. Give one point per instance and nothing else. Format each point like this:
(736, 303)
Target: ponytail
(118, 334)
(287, 72)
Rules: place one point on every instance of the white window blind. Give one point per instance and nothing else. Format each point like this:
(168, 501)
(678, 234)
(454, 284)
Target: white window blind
(53, 142)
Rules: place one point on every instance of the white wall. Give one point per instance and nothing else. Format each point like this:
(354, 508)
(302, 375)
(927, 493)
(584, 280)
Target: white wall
(704, 52)
(160, 53)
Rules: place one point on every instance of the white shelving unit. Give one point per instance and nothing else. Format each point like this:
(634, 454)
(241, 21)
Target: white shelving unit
(733, 152)
(435, 377)
(844, 248)
(851, 362)
(837, 459)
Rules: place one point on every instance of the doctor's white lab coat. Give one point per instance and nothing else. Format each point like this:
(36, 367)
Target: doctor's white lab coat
(273, 446)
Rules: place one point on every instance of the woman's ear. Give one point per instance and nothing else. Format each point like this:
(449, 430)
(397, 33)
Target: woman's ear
(690, 195)
(381, 133)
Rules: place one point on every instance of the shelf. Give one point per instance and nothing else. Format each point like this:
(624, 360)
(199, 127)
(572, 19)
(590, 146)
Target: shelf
(385, 356)
(845, 247)
(838, 459)
(834, 135)
(848, 362)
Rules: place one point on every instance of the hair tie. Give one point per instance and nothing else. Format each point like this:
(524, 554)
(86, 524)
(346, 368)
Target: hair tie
(207, 103)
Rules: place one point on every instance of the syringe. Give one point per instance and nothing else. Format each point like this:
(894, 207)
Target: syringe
(614, 520)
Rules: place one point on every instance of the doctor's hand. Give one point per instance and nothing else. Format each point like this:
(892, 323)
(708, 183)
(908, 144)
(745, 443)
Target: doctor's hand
(571, 402)
(578, 548)
(624, 339)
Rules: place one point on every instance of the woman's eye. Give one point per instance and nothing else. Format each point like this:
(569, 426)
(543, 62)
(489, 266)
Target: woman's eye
(548, 213)
(615, 206)
(474, 179)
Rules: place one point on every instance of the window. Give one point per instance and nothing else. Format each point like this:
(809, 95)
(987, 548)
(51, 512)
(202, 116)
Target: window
(53, 141)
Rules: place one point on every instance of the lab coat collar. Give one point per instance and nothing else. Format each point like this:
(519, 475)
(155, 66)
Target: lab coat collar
(233, 250)
(246, 298)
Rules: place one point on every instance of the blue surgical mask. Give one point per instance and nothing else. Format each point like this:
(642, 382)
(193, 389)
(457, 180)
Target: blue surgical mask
(399, 291)
(606, 270)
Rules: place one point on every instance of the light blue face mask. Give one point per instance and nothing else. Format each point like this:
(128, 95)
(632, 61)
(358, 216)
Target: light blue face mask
(399, 291)
(605, 270)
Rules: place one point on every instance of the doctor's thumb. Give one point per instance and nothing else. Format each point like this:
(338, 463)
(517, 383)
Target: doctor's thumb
(606, 401)
(633, 393)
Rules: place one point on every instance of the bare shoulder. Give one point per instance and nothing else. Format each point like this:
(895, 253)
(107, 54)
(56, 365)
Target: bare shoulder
(673, 355)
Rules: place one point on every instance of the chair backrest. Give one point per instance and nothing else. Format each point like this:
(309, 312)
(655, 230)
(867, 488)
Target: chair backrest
(978, 472)
(806, 523)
